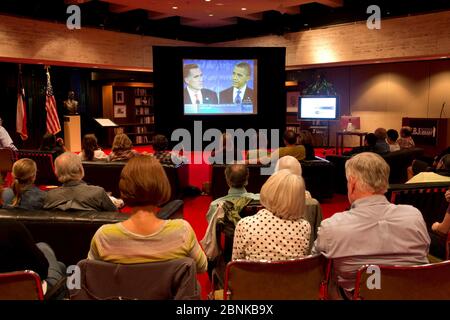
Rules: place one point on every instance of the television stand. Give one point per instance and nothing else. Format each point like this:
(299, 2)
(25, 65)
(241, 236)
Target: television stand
(341, 134)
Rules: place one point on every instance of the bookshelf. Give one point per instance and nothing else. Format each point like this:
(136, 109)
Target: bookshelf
(130, 106)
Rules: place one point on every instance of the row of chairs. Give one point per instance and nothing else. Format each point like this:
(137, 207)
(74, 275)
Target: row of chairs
(300, 279)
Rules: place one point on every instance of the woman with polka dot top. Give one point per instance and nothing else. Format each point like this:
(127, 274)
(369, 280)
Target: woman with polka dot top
(277, 232)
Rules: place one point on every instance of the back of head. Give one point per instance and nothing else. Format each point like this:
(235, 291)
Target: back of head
(143, 181)
(24, 173)
(68, 167)
(236, 175)
(444, 163)
(380, 133)
(160, 143)
(392, 134)
(371, 139)
(290, 137)
(48, 142)
(406, 132)
(121, 142)
(289, 163)
(370, 171)
(89, 145)
(283, 194)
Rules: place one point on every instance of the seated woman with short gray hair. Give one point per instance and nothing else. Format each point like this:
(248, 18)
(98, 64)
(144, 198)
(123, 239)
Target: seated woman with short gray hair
(279, 231)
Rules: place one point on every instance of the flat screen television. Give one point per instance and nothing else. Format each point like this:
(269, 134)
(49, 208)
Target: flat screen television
(318, 107)
(220, 87)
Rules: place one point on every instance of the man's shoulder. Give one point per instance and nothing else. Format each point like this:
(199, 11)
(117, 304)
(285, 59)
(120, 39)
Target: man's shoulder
(227, 90)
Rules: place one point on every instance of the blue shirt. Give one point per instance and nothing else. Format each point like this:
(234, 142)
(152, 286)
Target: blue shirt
(32, 199)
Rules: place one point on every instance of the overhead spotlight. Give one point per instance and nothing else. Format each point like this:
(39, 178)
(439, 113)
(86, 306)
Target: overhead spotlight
(211, 15)
(174, 8)
(243, 9)
(219, 4)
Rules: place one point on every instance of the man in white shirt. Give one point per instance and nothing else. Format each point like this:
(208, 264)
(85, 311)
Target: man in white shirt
(373, 231)
(194, 93)
(5, 139)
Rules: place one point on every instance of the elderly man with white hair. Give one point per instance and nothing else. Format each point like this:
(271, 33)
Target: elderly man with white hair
(373, 231)
(75, 194)
(294, 166)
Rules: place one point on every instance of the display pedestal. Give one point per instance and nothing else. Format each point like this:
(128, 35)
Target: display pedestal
(72, 133)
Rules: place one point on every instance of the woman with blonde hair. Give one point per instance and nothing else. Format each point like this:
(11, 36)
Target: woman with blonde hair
(23, 193)
(144, 237)
(279, 231)
(90, 151)
(122, 148)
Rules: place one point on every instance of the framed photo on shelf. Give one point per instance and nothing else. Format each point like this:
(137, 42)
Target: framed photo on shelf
(292, 101)
(120, 97)
(120, 111)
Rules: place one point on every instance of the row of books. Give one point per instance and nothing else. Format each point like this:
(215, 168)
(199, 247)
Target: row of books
(142, 110)
(143, 101)
(149, 119)
(141, 129)
(141, 92)
(142, 139)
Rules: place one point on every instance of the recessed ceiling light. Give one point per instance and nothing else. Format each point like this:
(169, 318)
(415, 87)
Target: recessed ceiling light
(243, 9)
(174, 8)
(207, 0)
(211, 15)
(219, 4)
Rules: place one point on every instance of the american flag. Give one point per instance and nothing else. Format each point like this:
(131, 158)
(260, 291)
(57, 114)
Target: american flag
(21, 114)
(53, 125)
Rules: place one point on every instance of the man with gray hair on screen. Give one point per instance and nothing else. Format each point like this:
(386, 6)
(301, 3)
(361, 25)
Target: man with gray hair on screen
(373, 230)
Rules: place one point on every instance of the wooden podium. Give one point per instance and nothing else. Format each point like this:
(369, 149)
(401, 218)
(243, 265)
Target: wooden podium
(72, 133)
(431, 134)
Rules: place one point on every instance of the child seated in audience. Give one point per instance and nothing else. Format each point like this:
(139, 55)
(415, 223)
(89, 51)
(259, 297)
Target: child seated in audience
(277, 232)
(406, 141)
(23, 193)
(167, 158)
(144, 237)
(90, 151)
(51, 143)
(392, 137)
(122, 148)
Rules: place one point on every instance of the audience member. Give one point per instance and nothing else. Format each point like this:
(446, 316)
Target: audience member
(381, 146)
(5, 139)
(23, 193)
(122, 148)
(90, 151)
(443, 228)
(372, 231)
(75, 194)
(18, 251)
(291, 148)
(306, 139)
(236, 176)
(442, 173)
(369, 145)
(392, 137)
(144, 237)
(294, 166)
(406, 141)
(52, 144)
(167, 158)
(258, 148)
(226, 152)
(277, 232)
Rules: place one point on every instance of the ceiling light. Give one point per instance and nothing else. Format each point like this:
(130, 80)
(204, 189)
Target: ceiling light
(219, 4)
(443, 57)
(243, 9)
(207, 0)
(174, 8)
(211, 15)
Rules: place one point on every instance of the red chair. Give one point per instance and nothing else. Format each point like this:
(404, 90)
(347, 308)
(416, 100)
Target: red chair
(420, 282)
(298, 279)
(20, 285)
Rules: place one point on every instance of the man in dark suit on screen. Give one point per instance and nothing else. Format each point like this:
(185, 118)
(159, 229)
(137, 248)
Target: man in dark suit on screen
(194, 93)
(239, 93)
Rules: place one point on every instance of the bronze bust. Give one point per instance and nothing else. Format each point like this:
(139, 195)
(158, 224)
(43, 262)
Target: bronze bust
(71, 105)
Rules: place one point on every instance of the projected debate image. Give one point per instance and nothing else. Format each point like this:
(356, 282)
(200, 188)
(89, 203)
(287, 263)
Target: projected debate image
(220, 87)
